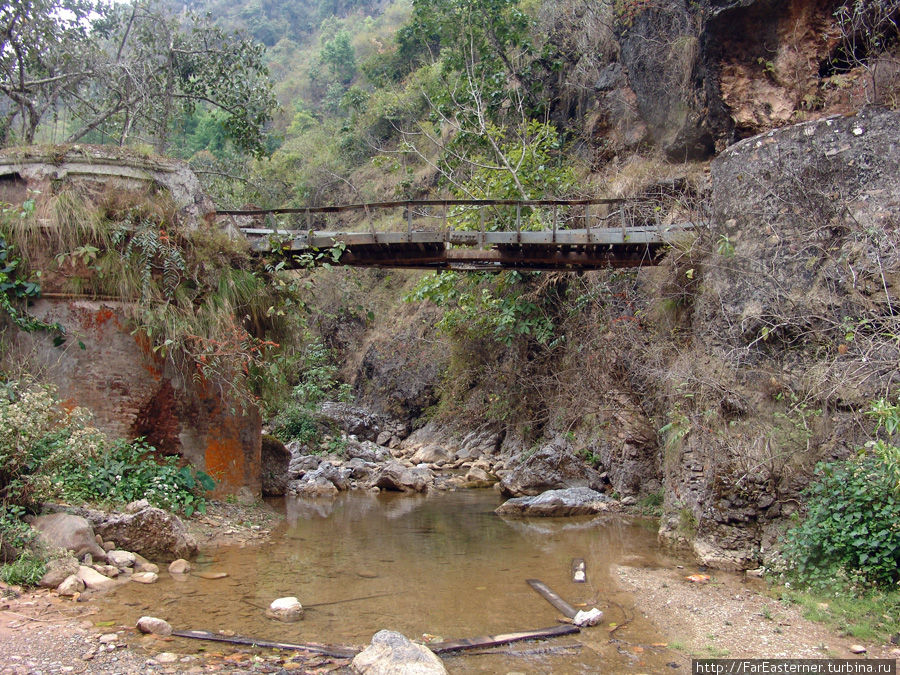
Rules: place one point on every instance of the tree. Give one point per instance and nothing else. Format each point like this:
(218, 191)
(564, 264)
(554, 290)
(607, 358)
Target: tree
(46, 51)
(129, 70)
(337, 53)
(489, 37)
(158, 66)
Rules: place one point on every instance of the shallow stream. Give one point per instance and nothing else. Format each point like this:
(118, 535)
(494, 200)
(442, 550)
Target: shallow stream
(439, 565)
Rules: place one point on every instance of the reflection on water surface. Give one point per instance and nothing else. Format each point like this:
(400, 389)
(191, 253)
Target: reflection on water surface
(442, 564)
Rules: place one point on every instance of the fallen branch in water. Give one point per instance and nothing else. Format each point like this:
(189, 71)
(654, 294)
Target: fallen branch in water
(501, 639)
(327, 650)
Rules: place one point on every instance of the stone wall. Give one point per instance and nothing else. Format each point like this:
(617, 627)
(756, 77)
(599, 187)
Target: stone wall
(794, 328)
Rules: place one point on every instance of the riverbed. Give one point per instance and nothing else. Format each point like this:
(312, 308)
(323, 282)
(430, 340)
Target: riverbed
(433, 567)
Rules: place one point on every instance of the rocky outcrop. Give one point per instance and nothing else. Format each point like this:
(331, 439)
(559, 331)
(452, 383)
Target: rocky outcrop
(790, 328)
(274, 462)
(391, 653)
(355, 420)
(552, 467)
(559, 503)
(152, 532)
(661, 49)
(399, 370)
(446, 442)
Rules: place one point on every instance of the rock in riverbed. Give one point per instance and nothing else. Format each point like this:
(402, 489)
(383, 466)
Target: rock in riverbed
(391, 653)
(555, 466)
(556, 503)
(70, 532)
(285, 609)
(151, 624)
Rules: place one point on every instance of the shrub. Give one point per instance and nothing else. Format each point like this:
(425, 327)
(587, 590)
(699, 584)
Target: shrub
(26, 570)
(48, 452)
(295, 423)
(125, 472)
(851, 532)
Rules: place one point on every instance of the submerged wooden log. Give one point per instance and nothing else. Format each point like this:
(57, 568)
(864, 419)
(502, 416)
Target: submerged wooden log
(501, 639)
(553, 598)
(327, 650)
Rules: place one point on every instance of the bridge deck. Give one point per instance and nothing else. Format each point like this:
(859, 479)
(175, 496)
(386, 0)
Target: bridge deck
(457, 249)
(608, 236)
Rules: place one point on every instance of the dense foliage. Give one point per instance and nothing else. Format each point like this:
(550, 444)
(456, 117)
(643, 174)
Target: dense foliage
(48, 451)
(126, 70)
(318, 381)
(851, 531)
(51, 452)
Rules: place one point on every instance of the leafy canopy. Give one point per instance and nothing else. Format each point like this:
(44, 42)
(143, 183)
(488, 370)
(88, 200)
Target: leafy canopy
(126, 70)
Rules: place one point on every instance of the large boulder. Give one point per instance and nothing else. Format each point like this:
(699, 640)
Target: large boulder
(431, 454)
(366, 450)
(554, 466)
(324, 481)
(152, 532)
(355, 420)
(70, 532)
(301, 463)
(437, 442)
(397, 477)
(557, 503)
(391, 653)
(58, 570)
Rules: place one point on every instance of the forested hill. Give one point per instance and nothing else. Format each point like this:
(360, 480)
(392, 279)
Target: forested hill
(269, 21)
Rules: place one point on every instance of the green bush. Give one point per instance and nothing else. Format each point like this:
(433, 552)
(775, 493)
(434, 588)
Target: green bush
(15, 534)
(26, 570)
(295, 423)
(48, 452)
(851, 532)
(125, 472)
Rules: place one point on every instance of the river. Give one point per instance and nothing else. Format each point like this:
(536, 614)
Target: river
(438, 566)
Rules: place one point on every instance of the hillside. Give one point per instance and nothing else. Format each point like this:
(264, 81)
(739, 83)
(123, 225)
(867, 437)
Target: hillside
(709, 386)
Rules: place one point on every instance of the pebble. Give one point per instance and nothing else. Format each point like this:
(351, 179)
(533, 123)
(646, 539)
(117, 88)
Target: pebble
(180, 566)
(107, 638)
(857, 649)
(212, 575)
(166, 657)
(145, 577)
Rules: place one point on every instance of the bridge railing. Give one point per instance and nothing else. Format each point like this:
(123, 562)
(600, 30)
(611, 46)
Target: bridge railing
(484, 215)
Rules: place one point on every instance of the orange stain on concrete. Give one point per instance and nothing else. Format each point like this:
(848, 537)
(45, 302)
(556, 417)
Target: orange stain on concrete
(225, 463)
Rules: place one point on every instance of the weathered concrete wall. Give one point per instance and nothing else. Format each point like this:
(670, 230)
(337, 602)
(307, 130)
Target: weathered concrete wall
(104, 366)
(132, 392)
(39, 168)
(793, 328)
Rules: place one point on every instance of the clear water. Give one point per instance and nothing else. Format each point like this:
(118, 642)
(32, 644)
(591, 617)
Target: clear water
(439, 565)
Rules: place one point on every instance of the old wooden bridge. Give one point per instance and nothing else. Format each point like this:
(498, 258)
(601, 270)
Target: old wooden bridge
(581, 234)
